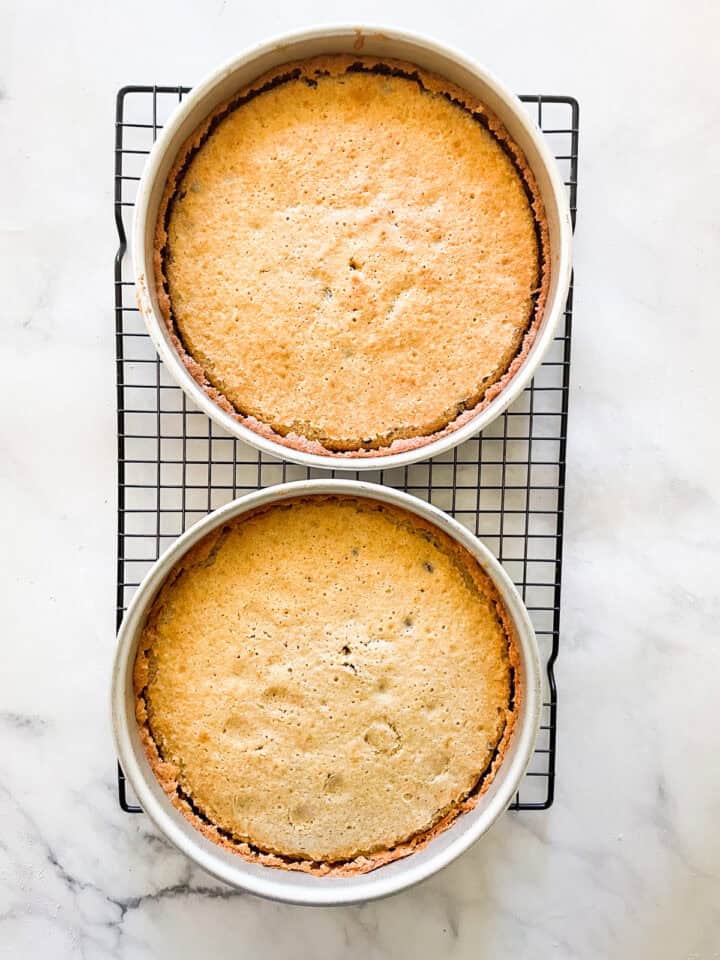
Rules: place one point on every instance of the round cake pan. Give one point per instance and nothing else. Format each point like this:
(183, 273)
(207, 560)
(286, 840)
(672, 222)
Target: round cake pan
(373, 41)
(290, 886)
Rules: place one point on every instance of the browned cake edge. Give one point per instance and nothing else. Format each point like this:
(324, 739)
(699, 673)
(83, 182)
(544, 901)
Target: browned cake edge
(166, 772)
(297, 70)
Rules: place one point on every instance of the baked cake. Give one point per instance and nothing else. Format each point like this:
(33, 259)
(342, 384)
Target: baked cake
(326, 683)
(351, 255)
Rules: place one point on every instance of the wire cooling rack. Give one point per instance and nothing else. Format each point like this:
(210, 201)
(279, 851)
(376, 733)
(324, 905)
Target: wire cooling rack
(175, 465)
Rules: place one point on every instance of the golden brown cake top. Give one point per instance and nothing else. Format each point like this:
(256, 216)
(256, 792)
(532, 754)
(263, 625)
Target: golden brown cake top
(351, 253)
(325, 683)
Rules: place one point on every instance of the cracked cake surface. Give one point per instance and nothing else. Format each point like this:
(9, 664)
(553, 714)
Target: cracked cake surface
(326, 683)
(351, 255)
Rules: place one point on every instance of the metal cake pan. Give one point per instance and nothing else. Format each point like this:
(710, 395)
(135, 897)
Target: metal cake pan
(289, 886)
(374, 41)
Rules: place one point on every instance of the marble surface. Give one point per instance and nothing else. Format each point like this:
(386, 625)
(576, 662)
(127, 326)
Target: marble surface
(627, 862)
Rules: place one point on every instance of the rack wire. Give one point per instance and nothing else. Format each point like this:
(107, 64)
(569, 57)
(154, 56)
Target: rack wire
(175, 465)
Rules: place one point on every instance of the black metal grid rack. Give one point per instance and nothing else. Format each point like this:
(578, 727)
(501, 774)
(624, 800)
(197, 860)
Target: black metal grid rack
(175, 465)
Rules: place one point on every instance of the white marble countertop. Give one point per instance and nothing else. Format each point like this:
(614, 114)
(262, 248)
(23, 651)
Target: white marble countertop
(626, 864)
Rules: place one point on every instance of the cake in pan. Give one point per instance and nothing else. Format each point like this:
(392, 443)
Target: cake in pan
(351, 256)
(326, 683)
